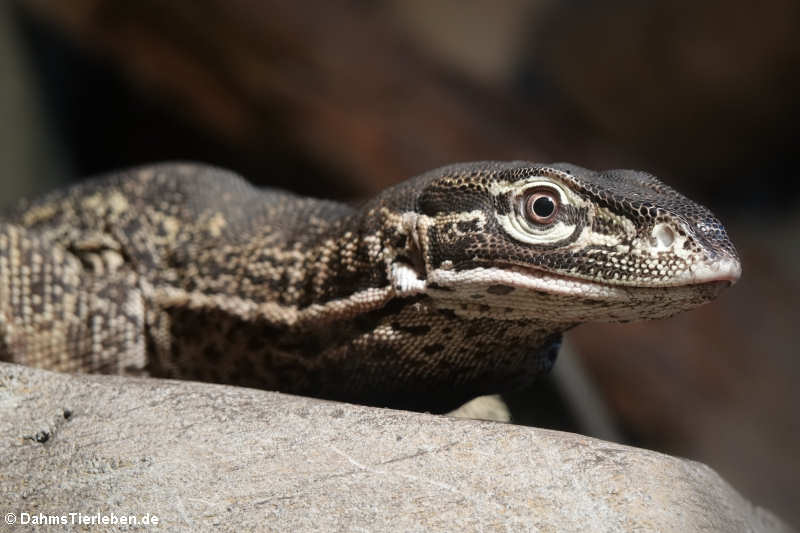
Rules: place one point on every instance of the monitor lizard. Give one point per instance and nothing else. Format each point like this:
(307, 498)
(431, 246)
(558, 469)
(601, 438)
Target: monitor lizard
(456, 283)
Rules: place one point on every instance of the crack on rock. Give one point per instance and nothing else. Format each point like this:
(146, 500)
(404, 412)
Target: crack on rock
(45, 435)
(41, 436)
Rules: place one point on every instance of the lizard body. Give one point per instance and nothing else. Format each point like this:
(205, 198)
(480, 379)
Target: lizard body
(456, 283)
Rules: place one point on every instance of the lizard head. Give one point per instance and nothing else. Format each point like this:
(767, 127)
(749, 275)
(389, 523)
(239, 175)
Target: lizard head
(563, 243)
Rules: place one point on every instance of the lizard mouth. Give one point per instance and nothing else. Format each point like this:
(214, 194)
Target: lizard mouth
(566, 284)
(500, 280)
(515, 292)
(723, 271)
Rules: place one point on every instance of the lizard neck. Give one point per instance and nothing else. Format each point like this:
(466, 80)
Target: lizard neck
(339, 268)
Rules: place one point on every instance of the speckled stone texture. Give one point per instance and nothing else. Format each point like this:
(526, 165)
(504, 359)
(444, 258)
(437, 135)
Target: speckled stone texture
(215, 458)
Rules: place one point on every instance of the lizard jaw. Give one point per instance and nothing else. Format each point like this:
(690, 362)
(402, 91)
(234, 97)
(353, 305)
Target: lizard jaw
(526, 293)
(727, 269)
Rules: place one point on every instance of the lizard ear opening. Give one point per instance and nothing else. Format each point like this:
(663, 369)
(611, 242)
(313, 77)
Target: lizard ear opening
(404, 279)
(407, 270)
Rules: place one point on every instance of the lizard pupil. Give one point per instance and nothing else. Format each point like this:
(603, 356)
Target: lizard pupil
(542, 206)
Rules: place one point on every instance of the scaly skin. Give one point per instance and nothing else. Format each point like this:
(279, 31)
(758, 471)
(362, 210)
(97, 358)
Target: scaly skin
(447, 286)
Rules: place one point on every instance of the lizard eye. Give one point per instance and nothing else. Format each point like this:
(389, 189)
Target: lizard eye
(540, 213)
(541, 205)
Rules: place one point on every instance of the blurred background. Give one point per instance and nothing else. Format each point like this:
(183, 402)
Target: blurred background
(341, 99)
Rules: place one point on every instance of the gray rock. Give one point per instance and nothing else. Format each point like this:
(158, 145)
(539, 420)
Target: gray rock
(205, 457)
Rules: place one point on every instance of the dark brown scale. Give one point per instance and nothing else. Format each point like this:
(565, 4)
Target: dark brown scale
(500, 289)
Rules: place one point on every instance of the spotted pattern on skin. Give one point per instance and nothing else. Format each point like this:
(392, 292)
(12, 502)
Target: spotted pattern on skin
(434, 291)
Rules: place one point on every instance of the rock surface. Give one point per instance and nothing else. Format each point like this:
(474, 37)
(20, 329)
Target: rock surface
(205, 457)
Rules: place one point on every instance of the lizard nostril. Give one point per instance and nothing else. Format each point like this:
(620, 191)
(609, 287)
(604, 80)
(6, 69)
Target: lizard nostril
(663, 235)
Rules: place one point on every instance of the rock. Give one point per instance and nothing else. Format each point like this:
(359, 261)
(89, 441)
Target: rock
(202, 457)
